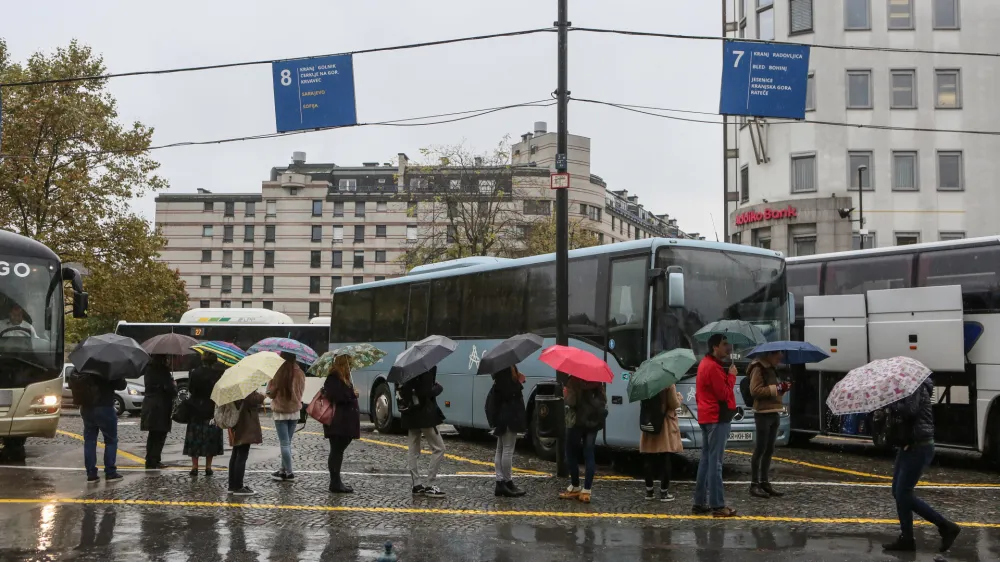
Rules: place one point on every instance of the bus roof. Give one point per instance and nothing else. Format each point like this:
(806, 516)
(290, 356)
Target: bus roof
(649, 244)
(13, 244)
(320, 320)
(234, 316)
(890, 250)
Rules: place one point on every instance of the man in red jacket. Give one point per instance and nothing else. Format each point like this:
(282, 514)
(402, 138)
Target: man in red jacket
(716, 405)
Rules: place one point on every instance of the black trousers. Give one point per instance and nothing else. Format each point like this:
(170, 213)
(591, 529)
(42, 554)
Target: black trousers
(336, 459)
(238, 466)
(767, 434)
(657, 465)
(154, 447)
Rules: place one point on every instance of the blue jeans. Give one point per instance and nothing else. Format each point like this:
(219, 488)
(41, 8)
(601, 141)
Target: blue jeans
(709, 489)
(574, 436)
(285, 429)
(910, 465)
(101, 419)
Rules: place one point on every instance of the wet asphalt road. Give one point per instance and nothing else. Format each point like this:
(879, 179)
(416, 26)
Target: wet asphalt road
(838, 508)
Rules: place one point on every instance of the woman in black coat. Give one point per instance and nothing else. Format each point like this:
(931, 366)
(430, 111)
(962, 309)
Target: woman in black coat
(506, 408)
(203, 438)
(157, 407)
(346, 424)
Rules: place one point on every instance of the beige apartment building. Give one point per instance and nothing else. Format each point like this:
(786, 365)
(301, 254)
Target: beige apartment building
(313, 227)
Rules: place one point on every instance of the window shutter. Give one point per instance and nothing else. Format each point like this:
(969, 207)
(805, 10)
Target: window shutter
(802, 15)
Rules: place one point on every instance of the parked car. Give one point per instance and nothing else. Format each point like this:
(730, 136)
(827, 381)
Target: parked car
(128, 400)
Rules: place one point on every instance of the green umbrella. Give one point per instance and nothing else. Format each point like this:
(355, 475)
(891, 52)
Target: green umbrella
(362, 355)
(740, 333)
(658, 373)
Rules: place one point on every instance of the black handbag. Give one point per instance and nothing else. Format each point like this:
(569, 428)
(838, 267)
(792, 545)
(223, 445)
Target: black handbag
(182, 411)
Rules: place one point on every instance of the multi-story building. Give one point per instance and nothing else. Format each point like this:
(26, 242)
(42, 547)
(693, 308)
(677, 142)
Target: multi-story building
(793, 186)
(314, 227)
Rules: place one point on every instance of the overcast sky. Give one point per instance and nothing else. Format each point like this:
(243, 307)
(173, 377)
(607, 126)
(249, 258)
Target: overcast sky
(674, 167)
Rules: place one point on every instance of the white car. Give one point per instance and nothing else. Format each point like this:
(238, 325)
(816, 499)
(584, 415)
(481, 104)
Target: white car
(128, 400)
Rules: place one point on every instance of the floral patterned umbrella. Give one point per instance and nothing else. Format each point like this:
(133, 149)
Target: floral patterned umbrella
(876, 385)
(246, 376)
(362, 355)
(302, 352)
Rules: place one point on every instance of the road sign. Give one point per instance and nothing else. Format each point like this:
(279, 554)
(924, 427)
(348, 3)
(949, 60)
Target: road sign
(764, 80)
(314, 93)
(559, 181)
(561, 161)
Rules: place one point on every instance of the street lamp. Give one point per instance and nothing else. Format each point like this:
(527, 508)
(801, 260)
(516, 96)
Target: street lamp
(861, 205)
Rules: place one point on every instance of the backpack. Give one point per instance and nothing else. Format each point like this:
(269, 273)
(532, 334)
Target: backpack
(227, 415)
(745, 387)
(404, 399)
(84, 389)
(651, 415)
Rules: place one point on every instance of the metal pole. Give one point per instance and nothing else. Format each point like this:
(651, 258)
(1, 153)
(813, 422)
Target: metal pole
(861, 206)
(562, 204)
(725, 148)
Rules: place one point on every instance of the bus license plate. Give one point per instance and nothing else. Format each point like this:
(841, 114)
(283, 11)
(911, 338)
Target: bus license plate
(6, 397)
(741, 436)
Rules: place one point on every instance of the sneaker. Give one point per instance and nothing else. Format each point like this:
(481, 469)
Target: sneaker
(902, 544)
(244, 491)
(278, 476)
(723, 513)
(571, 493)
(418, 489)
(948, 536)
(649, 495)
(93, 479)
(701, 510)
(289, 477)
(113, 477)
(433, 492)
(666, 496)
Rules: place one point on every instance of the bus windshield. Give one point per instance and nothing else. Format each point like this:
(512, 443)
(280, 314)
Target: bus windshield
(722, 285)
(31, 311)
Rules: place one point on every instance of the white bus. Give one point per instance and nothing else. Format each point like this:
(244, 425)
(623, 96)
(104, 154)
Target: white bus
(937, 302)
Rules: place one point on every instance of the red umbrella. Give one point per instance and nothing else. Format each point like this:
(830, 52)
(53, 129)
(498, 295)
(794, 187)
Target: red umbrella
(577, 363)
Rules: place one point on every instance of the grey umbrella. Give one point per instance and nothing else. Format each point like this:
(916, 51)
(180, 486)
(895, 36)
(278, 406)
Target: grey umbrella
(509, 352)
(170, 344)
(423, 355)
(110, 356)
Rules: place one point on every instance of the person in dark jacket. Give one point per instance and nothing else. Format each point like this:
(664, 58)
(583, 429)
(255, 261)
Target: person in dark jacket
(202, 437)
(100, 416)
(157, 407)
(421, 417)
(586, 406)
(346, 424)
(911, 430)
(246, 432)
(509, 419)
(767, 392)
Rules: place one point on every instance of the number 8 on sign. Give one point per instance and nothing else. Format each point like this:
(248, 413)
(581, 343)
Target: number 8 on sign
(286, 77)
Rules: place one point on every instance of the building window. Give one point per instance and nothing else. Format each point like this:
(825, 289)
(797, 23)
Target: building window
(359, 233)
(247, 304)
(381, 206)
(250, 210)
(314, 258)
(583, 209)
(900, 14)
(537, 207)
(380, 231)
(949, 236)
(205, 304)
(337, 259)
(600, 237)
(206, 281)
(230, 209)
(227, 283)
(313, 310)
(801, 16)
(227, 258)
(317, 208)
(859, 89)
(411, 209)
(948, 89)
(359, 208)
(946, 14)
(358, 280)
(765, 19)
(803, 173)
(227, 233)
(487, 187)
(248, 233)
(268, 305)
(269, 233)
(317, 233)
(207, 230)
(227, 304)
(314, 285)
(359, 259)
(811, 92)
(869, 241)
(247, 258)
(272, 208)
(380, 277)
(455, 185)
(269, 284)
(247, 284)
(411, 233)
(950, 171)
(744, 185)
(803, 239)
(338, 208)
(904, 89)
(269, 259)
(418, 183)
(761, 237)
(904, 171)
(335, 281)
(907, 238)
(379, 256)
(737, 238)
(338, 233)
(452, 234)
(855, 160)
(594, 213)
(206, 256)
(348, 185)
(857, 15)
(209, 207)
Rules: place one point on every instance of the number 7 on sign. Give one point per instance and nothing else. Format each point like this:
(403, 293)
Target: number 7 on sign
(739, 55)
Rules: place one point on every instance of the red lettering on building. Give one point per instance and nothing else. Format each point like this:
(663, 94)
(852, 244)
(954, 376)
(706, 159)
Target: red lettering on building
(751, 217)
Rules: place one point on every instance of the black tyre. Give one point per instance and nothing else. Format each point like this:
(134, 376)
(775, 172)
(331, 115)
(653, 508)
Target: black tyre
(799, 439)
(470, 433)
(991, 444)
(545, 447)
(119, 405)
(13, 450)
(381, 410)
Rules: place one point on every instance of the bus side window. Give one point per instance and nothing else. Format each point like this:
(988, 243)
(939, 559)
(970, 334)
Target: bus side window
(416, 322)
(977, 270)
(627, 312)
(857, 276)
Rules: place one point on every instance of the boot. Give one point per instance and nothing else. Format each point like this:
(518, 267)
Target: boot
(757, 492)
(518, 492)
(766, 486)
(502, 491)
(902, 544)
(948, 536)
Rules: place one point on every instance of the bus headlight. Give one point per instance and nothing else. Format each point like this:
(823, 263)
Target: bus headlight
(48, 404)
(684, 412)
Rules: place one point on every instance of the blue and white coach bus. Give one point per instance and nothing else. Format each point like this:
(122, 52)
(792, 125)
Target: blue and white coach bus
(619, 309)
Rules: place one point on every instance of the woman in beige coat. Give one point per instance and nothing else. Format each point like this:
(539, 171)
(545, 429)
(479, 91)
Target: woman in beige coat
(656, 447)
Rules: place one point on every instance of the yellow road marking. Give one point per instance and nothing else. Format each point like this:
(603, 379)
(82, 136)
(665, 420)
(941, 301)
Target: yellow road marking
(481, 512)
(121, 453)
(818, 466)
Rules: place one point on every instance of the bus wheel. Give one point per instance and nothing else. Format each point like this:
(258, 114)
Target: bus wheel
(800, 439)
(991, 445)
(381, 409)
(13, 450)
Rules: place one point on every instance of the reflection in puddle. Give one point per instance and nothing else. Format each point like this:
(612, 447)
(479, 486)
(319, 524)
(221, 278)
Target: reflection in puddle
(46, 524)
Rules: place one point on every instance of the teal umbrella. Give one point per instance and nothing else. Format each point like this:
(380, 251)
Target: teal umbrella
(658, 373)
(740, 333)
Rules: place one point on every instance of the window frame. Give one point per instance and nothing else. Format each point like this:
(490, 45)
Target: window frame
(249, 232)
(812, 18)
(852, 173)
(248, 258)
(381, 231)
(227, 284)
(762, 10)
(229, 209)
(958, 17)
(744, 184)
(317, 207)
(416, 234)
(208, 207)
(269, 264)
(359, 254)
(271, 208)
(270, 233)
(380, 256)
(338, 228)
(905, 233)
(868, 5)
(316, 233)
(206, 282)
(359, 233)
(268, 284)
(957, 72)
(336, 281)
(207, 230)
(250, 209)
(951, 235)
(912, 72)
(913, 17)
(815, 178)
(228, 232)
(871, 87)
(381, 206)
(315, 285)
(315, 259)
(247, 290)
(916, 170)
(227, 254)
(811, 89)
(961, 169)
(360, 205)
(335, 257)
(338, 209)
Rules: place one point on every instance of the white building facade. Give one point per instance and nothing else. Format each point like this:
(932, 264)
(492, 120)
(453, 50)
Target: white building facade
(793, 186)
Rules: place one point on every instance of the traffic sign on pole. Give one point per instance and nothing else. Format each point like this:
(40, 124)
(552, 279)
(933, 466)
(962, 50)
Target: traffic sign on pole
(314, 93)
(764, 79)
(559, 181)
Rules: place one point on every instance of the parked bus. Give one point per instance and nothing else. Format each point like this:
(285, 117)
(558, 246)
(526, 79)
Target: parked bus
(624, 306)
(936, 302)
(31, 340)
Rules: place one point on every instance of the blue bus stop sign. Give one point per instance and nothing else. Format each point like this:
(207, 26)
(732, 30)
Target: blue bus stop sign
(764, 80)
(314, 93)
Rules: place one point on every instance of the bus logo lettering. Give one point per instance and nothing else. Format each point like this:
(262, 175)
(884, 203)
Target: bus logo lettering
(22, 270)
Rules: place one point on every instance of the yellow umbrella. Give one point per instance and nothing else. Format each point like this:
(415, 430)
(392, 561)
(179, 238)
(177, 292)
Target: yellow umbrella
(246, 376)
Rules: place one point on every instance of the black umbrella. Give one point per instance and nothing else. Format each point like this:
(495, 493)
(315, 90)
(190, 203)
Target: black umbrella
(110, 356)
(170, 344)
(424, 354)
(509, 352)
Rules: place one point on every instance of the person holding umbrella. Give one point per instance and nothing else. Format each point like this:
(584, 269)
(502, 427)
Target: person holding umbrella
(346, 424)
(157, 407)
(716, 396)
(285, 391)
(767, 392)
(203, 438)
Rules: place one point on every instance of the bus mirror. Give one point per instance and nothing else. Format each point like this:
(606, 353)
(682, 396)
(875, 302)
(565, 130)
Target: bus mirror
(80, 302)
(675, 289)
(791, 309)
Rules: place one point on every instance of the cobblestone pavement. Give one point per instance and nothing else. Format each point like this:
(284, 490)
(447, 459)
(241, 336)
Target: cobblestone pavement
(838, 507)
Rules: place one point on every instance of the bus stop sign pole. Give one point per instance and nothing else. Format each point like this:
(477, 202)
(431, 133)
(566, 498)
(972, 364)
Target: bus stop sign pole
(562, 209)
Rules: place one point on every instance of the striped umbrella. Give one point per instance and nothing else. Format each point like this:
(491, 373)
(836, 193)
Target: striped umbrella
(227, 353)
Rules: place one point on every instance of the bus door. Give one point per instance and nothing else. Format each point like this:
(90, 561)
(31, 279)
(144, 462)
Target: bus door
(628, 303)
